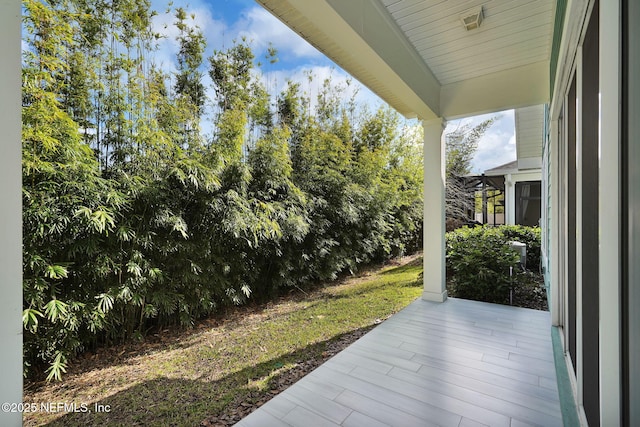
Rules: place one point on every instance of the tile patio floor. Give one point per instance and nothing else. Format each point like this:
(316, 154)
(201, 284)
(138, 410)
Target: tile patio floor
(460, 363)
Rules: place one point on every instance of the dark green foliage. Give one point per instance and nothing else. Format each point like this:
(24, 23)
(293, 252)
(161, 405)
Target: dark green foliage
(479, 261)
(69, 210)
(133, 220)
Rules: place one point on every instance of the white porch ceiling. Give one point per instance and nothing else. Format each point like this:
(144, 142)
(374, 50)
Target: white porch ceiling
(418, 57)
(514, 33)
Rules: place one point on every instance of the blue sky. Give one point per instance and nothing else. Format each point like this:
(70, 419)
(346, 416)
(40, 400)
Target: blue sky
(223, 21)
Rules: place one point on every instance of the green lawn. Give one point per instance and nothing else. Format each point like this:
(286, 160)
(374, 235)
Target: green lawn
(223, 364)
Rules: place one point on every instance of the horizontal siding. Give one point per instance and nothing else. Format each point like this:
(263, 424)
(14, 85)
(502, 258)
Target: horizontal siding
(529, 124)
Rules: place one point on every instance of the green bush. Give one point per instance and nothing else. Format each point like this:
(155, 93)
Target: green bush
(479, 261)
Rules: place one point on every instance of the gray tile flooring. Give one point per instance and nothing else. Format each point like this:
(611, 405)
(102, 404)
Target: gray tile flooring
(460, 363)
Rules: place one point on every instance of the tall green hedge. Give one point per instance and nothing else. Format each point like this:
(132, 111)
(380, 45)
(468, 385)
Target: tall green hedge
(134, 219)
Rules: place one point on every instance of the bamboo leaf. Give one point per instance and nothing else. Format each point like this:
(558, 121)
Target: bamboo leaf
(105, 302)
(30, 319)
(56, 272)
(57, 367)
(55, 310)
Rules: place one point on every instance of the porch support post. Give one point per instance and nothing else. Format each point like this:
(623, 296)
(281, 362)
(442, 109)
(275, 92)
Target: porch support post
(510, 200)
(434, 218)
(10, 213)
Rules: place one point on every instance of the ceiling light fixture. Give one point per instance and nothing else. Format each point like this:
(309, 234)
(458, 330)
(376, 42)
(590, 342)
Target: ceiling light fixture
(472, 18)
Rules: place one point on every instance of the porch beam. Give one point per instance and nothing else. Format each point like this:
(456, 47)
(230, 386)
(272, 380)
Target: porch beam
(515, 88)
(373, 24)
(434, 217)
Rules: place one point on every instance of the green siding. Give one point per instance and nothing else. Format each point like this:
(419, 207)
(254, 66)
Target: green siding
(561, 8)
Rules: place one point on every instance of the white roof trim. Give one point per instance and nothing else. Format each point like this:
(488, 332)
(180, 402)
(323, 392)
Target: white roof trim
(530, 163)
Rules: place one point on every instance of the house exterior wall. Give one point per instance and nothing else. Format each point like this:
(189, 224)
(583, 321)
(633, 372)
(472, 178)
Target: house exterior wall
(594, 363)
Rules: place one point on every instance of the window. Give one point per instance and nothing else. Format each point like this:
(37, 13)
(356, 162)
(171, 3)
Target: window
(528, 200)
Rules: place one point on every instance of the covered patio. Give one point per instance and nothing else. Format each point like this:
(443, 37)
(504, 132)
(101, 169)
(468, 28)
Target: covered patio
(458, 363)
(440, 361)
(571, 61)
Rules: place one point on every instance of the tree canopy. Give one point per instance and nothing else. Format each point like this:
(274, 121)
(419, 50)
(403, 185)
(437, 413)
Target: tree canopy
(461, 145)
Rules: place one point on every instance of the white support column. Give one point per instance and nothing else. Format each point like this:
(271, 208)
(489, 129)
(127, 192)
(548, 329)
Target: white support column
(510, 200)
(434, 219)
(609, 218)
(10, 213)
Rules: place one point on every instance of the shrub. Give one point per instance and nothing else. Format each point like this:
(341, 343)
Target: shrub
(479, 261)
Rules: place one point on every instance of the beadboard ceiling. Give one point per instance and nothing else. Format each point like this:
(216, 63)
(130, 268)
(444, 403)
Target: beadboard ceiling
(418, 57)
(513, 33)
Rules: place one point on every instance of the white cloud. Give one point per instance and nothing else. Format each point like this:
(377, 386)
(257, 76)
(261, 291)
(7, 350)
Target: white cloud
(261, 28)
(496, 147)
(494, 150)
(198, 16)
